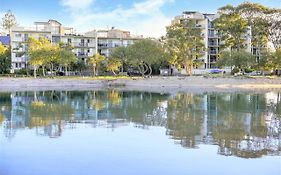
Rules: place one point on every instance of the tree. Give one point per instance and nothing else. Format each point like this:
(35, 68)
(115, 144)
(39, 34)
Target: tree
(9, 21)
(120, 53)
(5, 59)
(113, 65)
(185, 45)
(266, 61)
(95, 61)
(66, 57)
(273, 17)
(143, 54)
(38, 55)
(232, 28)
(79, 66)
(253, 14)
(239, 59)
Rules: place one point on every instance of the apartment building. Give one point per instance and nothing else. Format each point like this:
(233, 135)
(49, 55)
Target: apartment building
(109, 39)
(55, 32)
(209, 34)
(84, 46)
(19, 39)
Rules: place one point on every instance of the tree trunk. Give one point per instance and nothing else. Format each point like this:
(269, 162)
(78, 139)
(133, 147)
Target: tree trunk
(150, 70)
(94, 70)
(190, 70)
(52, 68)
(34, 71)
(114, 72)
(66, 73)
(43, 67)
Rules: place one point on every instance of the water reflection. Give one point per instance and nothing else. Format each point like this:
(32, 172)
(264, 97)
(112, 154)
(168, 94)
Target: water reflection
(243, 125)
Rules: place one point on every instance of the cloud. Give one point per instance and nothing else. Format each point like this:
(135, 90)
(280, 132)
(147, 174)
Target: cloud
(77, 4)
(143, 17)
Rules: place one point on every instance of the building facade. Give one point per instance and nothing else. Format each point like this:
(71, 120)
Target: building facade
(109, 39)
(84, 46)
(209, 34)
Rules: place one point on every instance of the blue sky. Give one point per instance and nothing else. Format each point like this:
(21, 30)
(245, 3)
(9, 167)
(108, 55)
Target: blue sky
(146, 17)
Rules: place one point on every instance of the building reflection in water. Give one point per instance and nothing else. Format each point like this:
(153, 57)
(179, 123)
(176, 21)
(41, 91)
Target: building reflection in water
(241, 124)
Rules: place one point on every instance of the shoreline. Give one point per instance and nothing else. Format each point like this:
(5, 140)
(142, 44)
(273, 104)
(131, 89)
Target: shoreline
(153, 84)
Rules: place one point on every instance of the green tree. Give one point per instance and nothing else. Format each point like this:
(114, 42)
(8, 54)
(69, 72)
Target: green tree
(232, 28)
(120, 53)
(96, 61)
(143, 54)
(37, 54)
(5, 59)
(184, 44)
(66, 57)
(239, 59)
(9, 21)
(79, 66)
(113, 65)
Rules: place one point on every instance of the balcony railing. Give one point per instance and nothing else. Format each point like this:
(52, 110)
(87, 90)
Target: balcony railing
(213, 35)
(213, 44)
(213, 52)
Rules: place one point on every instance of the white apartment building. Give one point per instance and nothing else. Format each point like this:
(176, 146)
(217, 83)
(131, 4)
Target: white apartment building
(84, 46)
(210, 36)
(109, 39)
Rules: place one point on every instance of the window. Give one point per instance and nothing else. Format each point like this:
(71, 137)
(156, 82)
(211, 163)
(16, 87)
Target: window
(18, 35)
(18, 54)
(16, 65)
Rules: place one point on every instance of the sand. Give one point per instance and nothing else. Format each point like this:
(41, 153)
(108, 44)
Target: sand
(157, 84)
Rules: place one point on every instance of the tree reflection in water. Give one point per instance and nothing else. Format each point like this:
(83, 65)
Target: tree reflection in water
(241, 124)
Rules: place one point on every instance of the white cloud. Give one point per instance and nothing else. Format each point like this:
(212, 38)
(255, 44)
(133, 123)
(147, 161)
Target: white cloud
(77, 4)
(143, 17)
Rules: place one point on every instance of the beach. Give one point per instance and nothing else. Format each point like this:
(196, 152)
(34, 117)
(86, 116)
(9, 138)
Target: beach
(158, 84)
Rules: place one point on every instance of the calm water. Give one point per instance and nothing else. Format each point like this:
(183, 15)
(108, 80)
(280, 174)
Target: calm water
(114, 132)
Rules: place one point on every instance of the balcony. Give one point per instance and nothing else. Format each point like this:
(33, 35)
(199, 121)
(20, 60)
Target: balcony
(214, 44)
(213, 35)
(213, 52)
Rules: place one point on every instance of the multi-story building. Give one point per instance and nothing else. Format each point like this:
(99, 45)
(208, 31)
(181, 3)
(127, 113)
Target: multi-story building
(209, 34)
(84, 46)
(109, 39)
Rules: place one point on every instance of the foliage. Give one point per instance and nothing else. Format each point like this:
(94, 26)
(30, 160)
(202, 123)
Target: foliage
(9, 21)
(232, 28)
(96, 61)
(113, 64)
(79, 66)
(184, 44)
(120, 53)
(264, 24)
(239, 59)
(42, 53)
(143, 54)
(5, 59)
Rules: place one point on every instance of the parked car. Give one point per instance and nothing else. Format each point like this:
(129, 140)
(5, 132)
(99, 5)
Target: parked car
(215, 71)
(133, 72)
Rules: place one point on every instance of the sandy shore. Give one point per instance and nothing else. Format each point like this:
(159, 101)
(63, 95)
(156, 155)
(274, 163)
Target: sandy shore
(157, 84)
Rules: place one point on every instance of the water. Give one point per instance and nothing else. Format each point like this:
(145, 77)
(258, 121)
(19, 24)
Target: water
(115, 132)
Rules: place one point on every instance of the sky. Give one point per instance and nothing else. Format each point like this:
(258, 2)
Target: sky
(141, 17)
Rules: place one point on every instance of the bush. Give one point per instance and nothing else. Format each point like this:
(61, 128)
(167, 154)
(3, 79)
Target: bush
(249, 70)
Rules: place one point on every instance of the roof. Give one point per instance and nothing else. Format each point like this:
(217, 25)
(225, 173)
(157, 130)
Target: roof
(5, 40)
